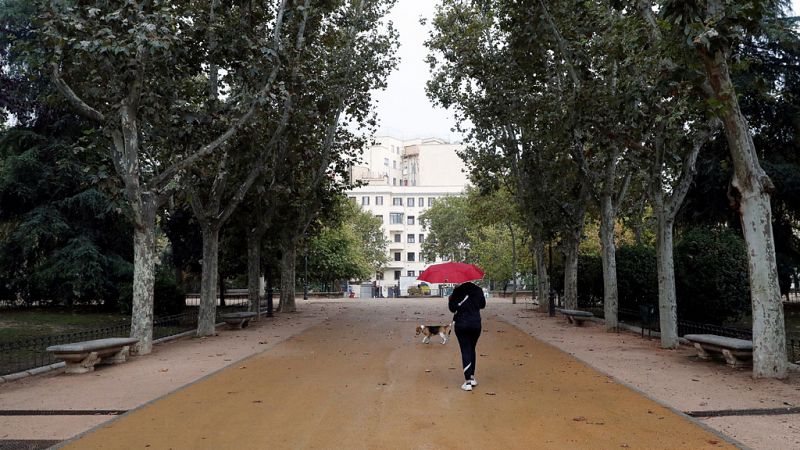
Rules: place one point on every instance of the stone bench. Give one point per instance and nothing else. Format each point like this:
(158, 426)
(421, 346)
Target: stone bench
(238, 320)
(575, 316)
(81, 357)
(734, 350)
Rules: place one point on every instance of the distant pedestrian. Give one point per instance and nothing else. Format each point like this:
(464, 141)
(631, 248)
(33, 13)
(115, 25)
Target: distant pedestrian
(466, 302)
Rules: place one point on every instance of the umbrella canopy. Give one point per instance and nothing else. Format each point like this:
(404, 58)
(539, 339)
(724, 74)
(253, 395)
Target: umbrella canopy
(451, 272)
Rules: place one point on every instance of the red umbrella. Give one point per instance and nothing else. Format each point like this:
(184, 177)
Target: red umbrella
(451, 272)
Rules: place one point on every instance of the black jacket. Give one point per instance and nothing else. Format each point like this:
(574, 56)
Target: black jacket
(468, 315)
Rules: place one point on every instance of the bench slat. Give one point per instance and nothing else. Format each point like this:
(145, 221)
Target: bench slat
(721, 341)
(90, 346)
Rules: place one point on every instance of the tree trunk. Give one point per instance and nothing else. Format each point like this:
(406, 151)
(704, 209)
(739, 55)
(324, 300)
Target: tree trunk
(206, 318)
(571, 273)
(609, 258)
(667, 304)
(543, 282)
(144, 263)
(288, 256)
(513, 263)
(254, 272)
(754, 187)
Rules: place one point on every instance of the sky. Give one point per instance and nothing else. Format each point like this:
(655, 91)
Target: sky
(403, 108)
(404, 111)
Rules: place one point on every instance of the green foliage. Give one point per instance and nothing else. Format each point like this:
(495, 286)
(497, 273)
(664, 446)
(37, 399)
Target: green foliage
(170, 299)
(711, 276)
(446, 223)
(60, 240)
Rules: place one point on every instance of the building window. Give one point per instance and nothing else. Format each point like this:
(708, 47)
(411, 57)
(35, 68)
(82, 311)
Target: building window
(396, 274)
(386, 162)
(410, 220)
(410, 239)
(395, 218)
(410, 257)
(397, 237)
(365, 201)
(410, 202)
(379, 200)
(421, 202)
(411, 273)
(394, 181)
(397, 256)
(421, 238)
(430, 201)
(378, 275)
(353, 199)
(394, 164)
(379, 217)
(397, 201)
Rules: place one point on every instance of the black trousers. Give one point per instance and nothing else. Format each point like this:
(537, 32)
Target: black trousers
(467, 340)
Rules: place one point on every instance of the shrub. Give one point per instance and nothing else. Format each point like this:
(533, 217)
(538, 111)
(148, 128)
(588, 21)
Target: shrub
(637, 276)
(169, 297)
(711, 276)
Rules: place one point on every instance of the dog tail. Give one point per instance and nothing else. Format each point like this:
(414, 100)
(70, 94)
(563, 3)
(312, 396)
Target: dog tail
(450, 330)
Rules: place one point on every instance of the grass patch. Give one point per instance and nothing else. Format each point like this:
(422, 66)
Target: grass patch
(30, 323)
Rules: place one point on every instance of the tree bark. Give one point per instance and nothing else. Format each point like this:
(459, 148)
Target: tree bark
(542, 282)
(206, 317)
(609, 258)
(571, 273)
(667, 303)
(289, 253)
(144, 262)
(254, 271)
(513, 263)
(754, 187)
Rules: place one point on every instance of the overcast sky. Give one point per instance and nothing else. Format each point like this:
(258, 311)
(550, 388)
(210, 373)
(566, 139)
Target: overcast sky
(404, 110)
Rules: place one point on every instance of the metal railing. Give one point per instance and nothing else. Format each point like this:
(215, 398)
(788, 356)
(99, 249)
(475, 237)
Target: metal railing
(26, 354)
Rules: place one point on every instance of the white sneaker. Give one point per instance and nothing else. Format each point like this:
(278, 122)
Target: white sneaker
(466, 386)
(473, 381)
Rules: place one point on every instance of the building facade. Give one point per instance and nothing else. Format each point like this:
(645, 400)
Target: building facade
(402, 179)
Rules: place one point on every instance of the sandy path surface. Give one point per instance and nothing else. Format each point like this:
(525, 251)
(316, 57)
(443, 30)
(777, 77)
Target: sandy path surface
(361, 379)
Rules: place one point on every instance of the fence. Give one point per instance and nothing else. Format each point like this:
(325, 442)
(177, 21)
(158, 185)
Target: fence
(632, 317)
(26, 354)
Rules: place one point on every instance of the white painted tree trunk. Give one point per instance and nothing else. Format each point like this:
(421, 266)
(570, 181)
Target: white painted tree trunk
(667, 304)
(608, 255)
(288, 259)
(206, 317)
(753, 186)
(144, 263)
(543, 281)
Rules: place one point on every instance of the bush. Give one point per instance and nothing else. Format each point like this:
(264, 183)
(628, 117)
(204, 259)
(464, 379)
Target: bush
(590, 280)
(711, 276)
(637, 276)
(414, 291)
(169, 297)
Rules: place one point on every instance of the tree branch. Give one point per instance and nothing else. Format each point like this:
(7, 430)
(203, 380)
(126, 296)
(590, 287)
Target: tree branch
(73, 99)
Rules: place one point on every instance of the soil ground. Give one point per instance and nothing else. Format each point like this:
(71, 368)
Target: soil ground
(351, 374)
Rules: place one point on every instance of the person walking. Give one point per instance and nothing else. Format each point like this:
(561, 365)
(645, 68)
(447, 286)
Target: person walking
(467, 301)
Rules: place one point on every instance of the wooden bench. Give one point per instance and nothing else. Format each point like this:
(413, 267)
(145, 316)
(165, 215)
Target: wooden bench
(734, 350)
(81, 357)
(238, 320)
(575, 316)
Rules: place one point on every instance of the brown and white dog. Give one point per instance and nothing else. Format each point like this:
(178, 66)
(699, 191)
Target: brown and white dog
(431, 330)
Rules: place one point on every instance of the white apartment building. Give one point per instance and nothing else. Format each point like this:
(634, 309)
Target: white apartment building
(403, 179)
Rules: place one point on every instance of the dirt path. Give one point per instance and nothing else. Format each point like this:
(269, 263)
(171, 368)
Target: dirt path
(361, 379)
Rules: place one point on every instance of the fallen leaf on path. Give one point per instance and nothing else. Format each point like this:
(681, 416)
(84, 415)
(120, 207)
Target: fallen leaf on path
(164, 370)
(427, 370)
(243, 367)
(713, 442)
(257, 401)
(490, 393)
(262, 342)
(579, 419)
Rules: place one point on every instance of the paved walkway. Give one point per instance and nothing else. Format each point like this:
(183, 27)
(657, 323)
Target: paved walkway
(361, 379)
